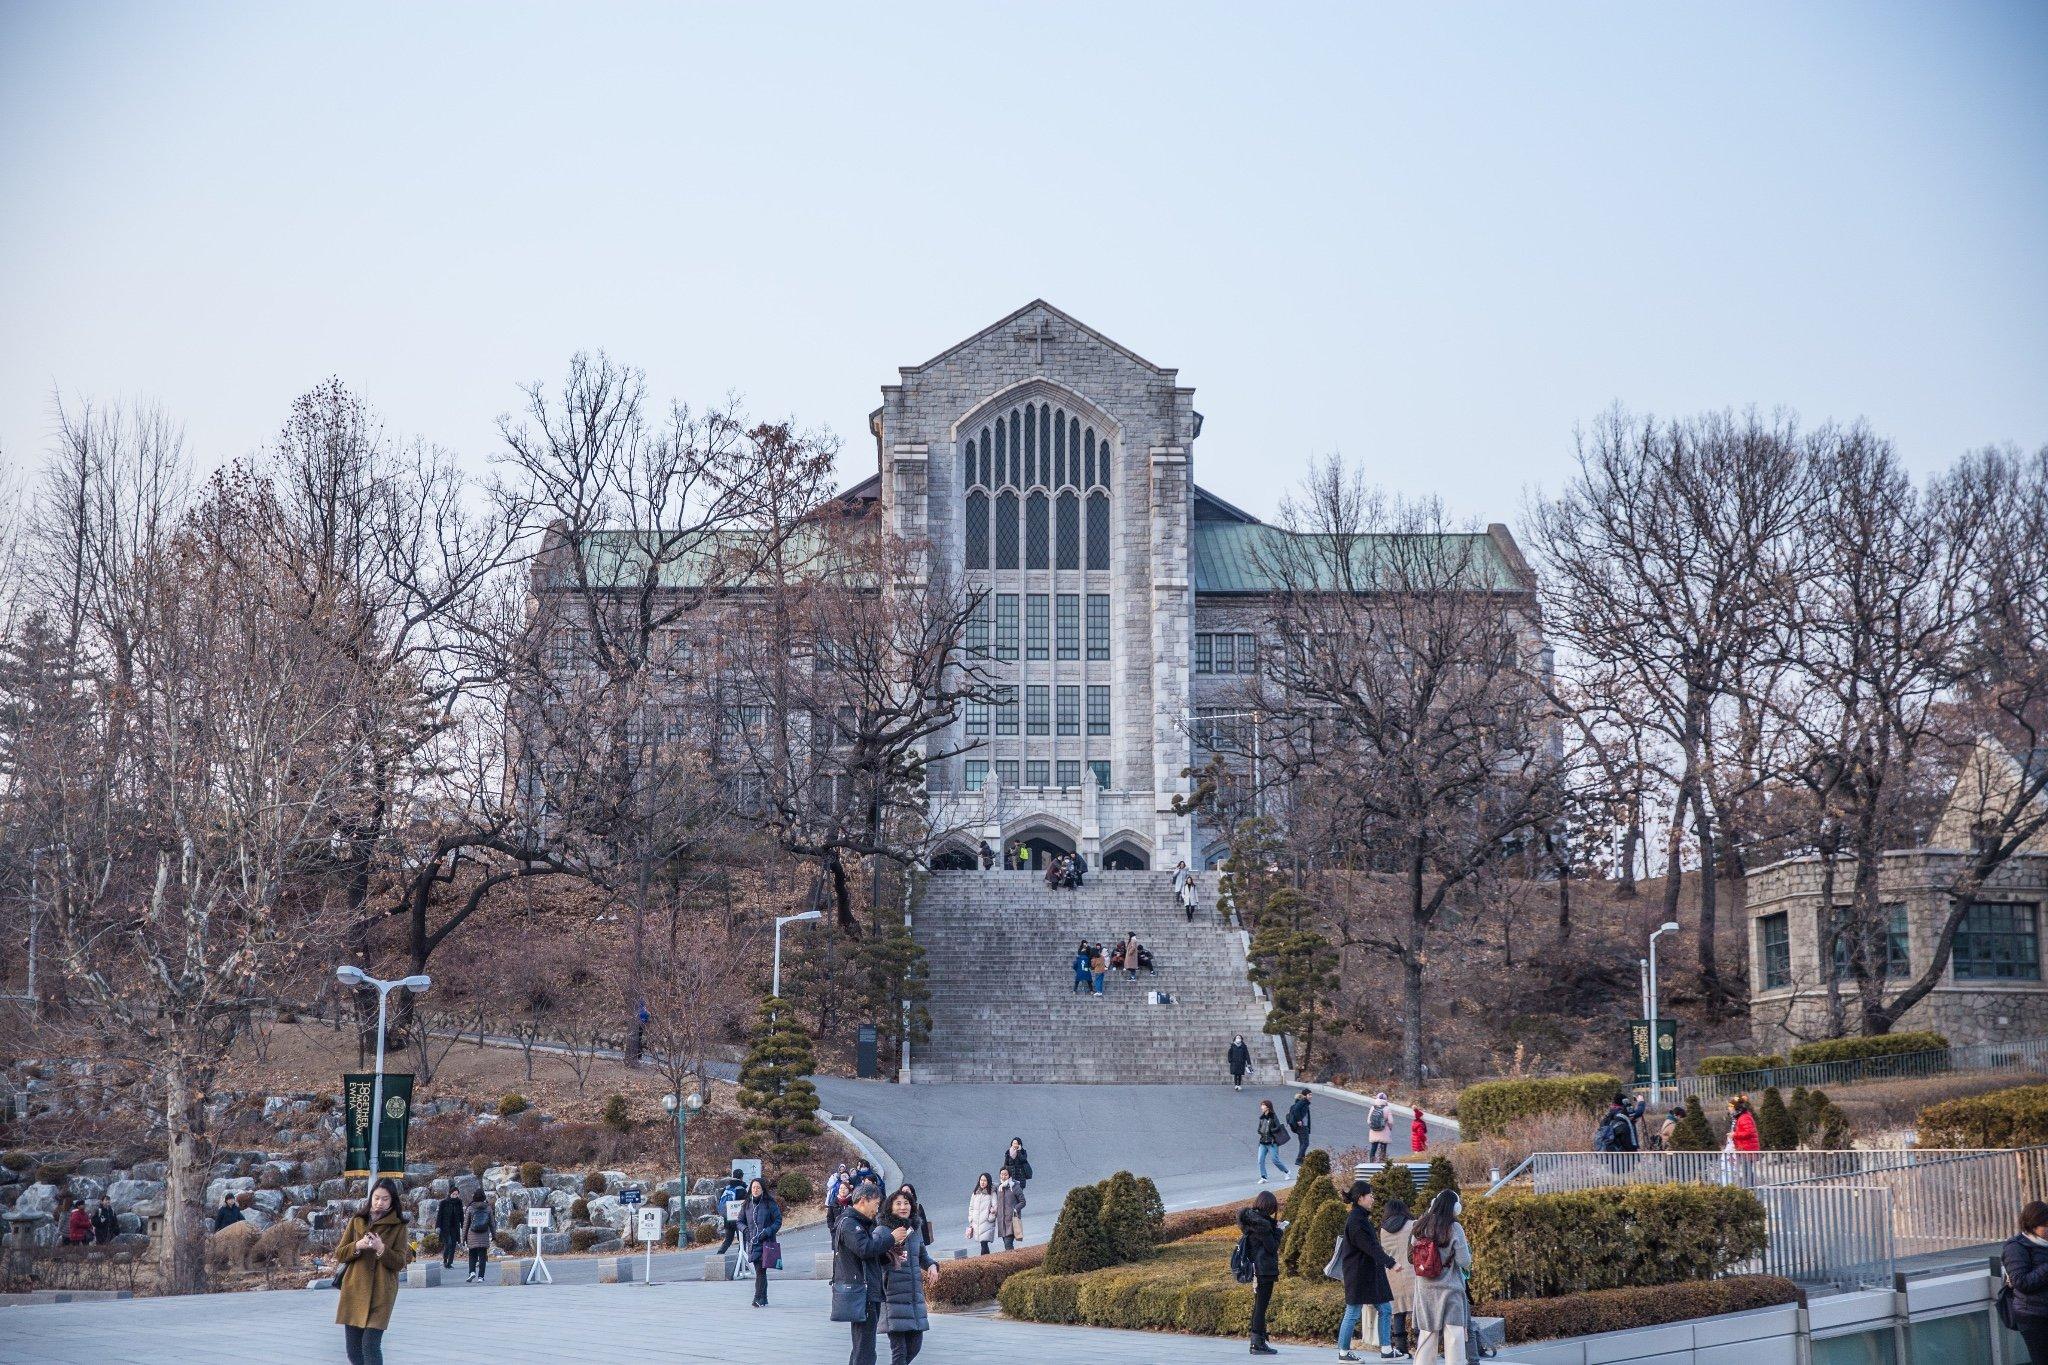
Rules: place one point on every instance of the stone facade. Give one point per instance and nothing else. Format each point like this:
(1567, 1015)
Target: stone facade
(1788, 996)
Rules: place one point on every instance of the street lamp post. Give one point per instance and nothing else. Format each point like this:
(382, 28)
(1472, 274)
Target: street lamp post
(682, 1107)
(775, 987)
(354, 977)
(1656, 1089)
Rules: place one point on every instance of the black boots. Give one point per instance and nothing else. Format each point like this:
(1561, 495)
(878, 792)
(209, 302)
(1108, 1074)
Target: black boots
(1260, 1348)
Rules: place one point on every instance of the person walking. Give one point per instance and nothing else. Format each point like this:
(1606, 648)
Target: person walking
(1666, 1131)
(981, 1212)
(2024, 1259)
(478, 1230)
(1081, 971)
(1397, 1232)
(1272, 1136)
(1130, 955)
(228, 1214)
(1009, 1209)
(763, 1219)
(1615, 1133)
(732, 1206)
(861, 1252)
(77, 1225)
(105, 1226)
(1441, 1259)
(1364, 1263)
(1240, 1060)
(1379, 1128)
(1184, 889)
(1098, 967)
(1742, 1134)
(1016, 1162)
(1055, 872)
(372, 1250)
(910, 1272)
(1418, 1131)
(1077, 869)
(448, 1226)
(1259, 1228)
(835, 1195)
(1298, 1123)
(988, 857)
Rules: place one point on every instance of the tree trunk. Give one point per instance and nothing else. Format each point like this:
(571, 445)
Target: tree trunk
(1631, 840)
(183, 1252)
(635, 989)
(1411, 1010)
(1674, 875)
(1710, 967)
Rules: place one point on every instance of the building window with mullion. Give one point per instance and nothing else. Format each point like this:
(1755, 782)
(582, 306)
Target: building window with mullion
(1006, 625)
(1998, 941)
(1006, 711)
(1896, 957)
(1036, 627)
(976, 773)
(1068, 626)
(1205, 653)
(1775, 938)
(1037, 709)
(1067, 710)
(1098, 710)
(977, 626)
(1098, 625)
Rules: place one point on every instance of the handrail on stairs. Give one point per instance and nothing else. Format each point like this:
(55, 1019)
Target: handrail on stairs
(1510, 1176)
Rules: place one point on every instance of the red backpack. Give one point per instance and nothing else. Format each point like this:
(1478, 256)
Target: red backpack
(1426, 1258)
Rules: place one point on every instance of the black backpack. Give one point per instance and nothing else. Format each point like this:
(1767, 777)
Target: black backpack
(1243, 1268)
(479, 1217)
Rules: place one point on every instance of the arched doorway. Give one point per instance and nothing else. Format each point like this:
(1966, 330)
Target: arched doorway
(1124, 858)
(954, 858)
(1039, 844)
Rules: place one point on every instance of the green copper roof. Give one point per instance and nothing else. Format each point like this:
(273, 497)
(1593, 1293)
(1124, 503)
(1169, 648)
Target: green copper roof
(1239, 557)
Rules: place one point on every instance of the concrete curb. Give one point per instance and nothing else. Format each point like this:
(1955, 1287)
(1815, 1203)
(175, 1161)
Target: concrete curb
(884, 1164)
(1353, 1097)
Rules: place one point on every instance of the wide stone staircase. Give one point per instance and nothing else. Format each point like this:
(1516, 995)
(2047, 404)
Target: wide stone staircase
(1000, 948)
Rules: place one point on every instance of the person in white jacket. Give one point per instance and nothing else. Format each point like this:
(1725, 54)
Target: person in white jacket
(1184, 889)
(981, 1212)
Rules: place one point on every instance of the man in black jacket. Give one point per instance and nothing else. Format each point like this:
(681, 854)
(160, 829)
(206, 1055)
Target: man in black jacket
(1297, 1124)
(448, 1227)
(860, 1255)
(1240, 1062)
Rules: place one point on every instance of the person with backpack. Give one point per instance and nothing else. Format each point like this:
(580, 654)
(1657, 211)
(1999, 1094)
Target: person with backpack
(732, 1206)
(1272, 1136)
(448, 1226)
(1256, 1260)
(1240, 1059)
(477, 1230)
(1667, 1131)
(835, 1198)
(764, 1225)
(2024, 1293)
(1081, 969)
(988, 857)
(1397, 1233)
(1379, 1128)
(1363, 1264)
(1616, 1133)
(1298, 1124)
(1441, 1258)
(981, 1212)
(1097, 966)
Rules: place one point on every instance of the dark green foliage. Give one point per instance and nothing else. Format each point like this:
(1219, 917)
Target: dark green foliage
(1535, 1245)
(1314, 1167)
(1856, 1049)
(1775, 1127)
(1313, 1251)
(1832, 1130)
(1395, 1183)
(775, 1086)
(1694, 1133)
(889, 970)
(2004, 1118)
(1736, 1064)
(1079, 1241)
(795, 1188)
(615, 1116)
(511, 1103)
(1616, 1310)
(1801, 1109)
(1155, 1207)
(1124, 1221)
(1486, 1109)
(1298, 968)
(1442, 1176)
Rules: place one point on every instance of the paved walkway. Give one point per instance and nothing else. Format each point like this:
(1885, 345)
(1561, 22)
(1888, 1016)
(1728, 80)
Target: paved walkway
(621, 1324)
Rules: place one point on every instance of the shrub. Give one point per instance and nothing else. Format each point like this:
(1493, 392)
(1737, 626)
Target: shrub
(1036, 1296)
(503, 1240)
(593, 1183)
(615, 1116)
(1078, 1241)
(478, 1165)
(1694, 1133)
(1394, 1182)
(16, 1161)
(579, 1210)
(583, 1239)
(55, 1173)
(2017, 1117)
(659, 1199)
(1441, 1178)
(1312, 1252)
(1490, 1106)
(975, 1279)
(1735, 1063)
(795, 1188)
(1313, 1170)
(511, 1103)
(1774, 1126)
(1856, 1049)
(1298, 1243)
(1154, 1208)
(702, 1233)
(1615, 1310)
(281, 1242)
(1533, 1245)
(531, 1173)
(1124, 1225)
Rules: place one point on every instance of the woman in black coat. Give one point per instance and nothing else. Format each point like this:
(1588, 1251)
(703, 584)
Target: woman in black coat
(1260, 1227)
(2025, 1259)
(1365, 1263)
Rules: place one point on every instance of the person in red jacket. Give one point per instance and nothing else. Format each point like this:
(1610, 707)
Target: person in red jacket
(1742, 1126)
(1418, 1133)
(78, 1227)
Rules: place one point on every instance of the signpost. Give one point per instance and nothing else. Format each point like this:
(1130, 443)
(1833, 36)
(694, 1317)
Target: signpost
(539, 1218)
(749, 1168)
(647, 1226)
(1666, 1061)
(390, 1126)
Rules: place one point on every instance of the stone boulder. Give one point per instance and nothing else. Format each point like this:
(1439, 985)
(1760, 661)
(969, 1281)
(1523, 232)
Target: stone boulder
(37, 1199)
(563, 1180)
(84, 1187)
(614, 1181)
(466, 1187)
(130, 1239)
(561, 1201)
(495, 1176)
(270, 1201)
(122, 1195)
(97, 1166)
(336, 1188)
(221, 1186)
(147, 1170)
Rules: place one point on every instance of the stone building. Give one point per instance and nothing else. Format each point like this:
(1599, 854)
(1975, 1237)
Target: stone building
(1992, 987)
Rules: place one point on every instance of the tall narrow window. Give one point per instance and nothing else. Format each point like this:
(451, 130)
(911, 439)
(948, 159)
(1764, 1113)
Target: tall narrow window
(1088, 472)
(975, 773)
(1006, 711)
(968, 467)
(1205, 653)
(1037, 709)
(1100, 767)
(1098, 625)
(1006, 625)
(1068, 711)
(1098, 709)
(1034, 532)
(1247, 653)
(1059, 437)
(1774, 933)
(1045, 431)
(977, 718)
(1006, 772)
(1098, 532)
(1226, 653)
(1069, 631)
(1006, 531)
(1067, 532)
(1002, 454)
(1037, 772)
(977, 530)
(977, 626)
(1035, 626)
(1030, 428)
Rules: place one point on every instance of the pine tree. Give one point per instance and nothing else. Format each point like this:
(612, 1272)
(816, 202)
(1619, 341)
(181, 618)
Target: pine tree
(889, 966)
(1313, 1168)
(1312, 1253)
(1124, 1220)
(1078, 1240)
(1832, 1130)
(775, 1086)
(1801, 1109)
(1298, 1243)
(1442, 1176)
(1694, 1134)
(1395, 1182)
(1298, 969)
(1775, 1127)
(1155, 1209)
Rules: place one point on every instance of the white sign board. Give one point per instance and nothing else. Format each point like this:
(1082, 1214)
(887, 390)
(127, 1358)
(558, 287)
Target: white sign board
(749, 1168)
(647, 1225)
(540, 1218)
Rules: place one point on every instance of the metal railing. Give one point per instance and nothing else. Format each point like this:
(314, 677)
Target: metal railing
(1553, 1172)
(1844, 1234)
(1947, 1201)
(2025, 1054)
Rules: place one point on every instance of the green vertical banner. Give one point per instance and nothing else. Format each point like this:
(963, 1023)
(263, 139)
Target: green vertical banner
(1667, 1049)
(357, 1094)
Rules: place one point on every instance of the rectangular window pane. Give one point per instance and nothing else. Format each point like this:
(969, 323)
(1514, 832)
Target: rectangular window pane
(1006, 712)
(1777, 946)
(1070, 773)
(1247, 654)
(1006, 625)
(1100, 767)
(1205, 656)
(977, 773)
(1069, 622)
(1037, 710)
(1067, 532)
(1098, 625)
(977, 530)
(1895, 950)
(977, 718)
(1226, 653)
(1997, 942)
(1006, 772)
(1035, 626)
(1035, 531)
(1098, 533)
(1006, 531)
(1069, 710)
(1038, 773)
(977, 626)
(1098, 710)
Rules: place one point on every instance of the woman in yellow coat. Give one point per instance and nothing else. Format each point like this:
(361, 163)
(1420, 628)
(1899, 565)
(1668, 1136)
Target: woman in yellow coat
(373, 1249)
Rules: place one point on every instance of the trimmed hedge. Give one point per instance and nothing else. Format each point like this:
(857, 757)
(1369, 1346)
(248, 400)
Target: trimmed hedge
(1735, 1063)
(1856, 1049)
(1540, 1245)
(975, 1279)
(1616, 1310)
(1486, 1109)
(2003, 1118)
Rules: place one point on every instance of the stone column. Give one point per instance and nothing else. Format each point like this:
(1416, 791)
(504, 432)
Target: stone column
(1172, 616)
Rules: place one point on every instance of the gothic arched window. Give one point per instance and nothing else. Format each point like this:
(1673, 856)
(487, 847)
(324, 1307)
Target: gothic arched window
(1006, 530)
(1035, 446)
(977, 530)
(1067, 532)
(1034, 532)
(1098, 531)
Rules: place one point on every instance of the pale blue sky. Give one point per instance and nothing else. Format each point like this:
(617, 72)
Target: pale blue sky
(1432, 238)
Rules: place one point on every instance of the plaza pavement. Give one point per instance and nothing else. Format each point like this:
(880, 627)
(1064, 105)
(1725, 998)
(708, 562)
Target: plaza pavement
(618, 1324)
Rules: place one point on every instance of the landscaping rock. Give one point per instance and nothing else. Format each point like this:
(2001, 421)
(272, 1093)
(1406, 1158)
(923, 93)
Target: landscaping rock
(334, 1189)
(614, 1181)
(122, 1195)
(606, 1209)
(270, 1201)
(146, 1170)
(37, 1199)
(98, 1166)
(226, 1185)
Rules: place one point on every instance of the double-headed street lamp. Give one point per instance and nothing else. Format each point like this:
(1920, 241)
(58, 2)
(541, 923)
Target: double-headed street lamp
(355, 978)
(1669, 927)
(682, 1107)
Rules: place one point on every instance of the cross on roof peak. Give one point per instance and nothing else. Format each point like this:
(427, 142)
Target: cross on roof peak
(1038, 333)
